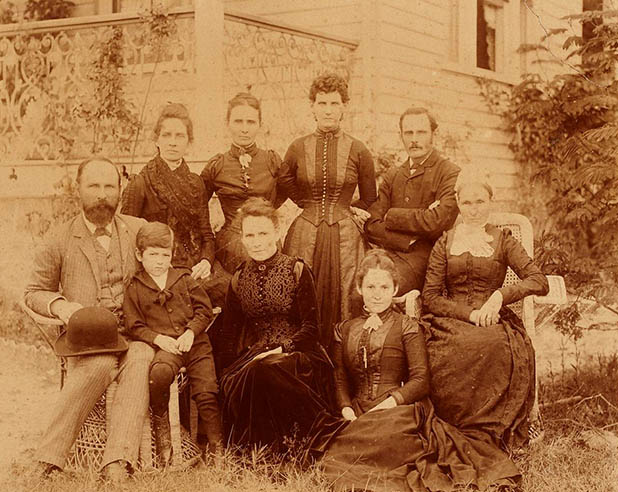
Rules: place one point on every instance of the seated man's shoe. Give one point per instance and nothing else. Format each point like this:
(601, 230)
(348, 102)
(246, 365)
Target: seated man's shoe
(115, 472)
(46, 470)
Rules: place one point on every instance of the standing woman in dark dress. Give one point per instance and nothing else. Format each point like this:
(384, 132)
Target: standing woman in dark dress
(275, 366)
(166, 191)
(321, 172)
(242, 172)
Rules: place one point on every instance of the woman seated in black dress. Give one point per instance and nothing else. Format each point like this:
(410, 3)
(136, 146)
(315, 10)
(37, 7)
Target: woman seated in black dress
(275, 369)
(394, 441)
(480, 356)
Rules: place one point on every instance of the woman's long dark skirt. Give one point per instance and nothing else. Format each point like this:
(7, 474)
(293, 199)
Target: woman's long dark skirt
(274, 401)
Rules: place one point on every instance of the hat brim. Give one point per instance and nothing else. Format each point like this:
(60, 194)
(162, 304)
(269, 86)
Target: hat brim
(63, 350)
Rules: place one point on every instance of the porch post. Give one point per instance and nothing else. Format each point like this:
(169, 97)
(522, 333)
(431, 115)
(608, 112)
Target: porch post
(208, 112)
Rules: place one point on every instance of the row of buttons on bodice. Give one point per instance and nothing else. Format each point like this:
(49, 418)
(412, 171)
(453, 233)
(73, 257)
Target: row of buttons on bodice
(370, 378)
(327, 138)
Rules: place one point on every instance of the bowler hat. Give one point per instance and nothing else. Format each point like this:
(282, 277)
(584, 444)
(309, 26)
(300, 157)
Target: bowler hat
(90, 330)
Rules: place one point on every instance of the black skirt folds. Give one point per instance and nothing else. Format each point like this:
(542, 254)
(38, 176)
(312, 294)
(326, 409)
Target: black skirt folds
(407, 448)
(275, 401)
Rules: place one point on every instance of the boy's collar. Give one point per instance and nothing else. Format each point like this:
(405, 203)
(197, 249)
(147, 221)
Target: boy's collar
(173, 275)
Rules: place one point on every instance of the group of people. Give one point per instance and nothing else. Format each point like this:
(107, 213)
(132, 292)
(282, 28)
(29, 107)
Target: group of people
(310, 347)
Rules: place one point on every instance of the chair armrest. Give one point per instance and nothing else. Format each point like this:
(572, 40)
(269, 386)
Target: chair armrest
(557, 291)
(411, 301)
(39, 318)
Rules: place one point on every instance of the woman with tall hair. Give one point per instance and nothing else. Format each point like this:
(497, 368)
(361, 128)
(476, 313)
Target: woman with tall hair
(321, 172)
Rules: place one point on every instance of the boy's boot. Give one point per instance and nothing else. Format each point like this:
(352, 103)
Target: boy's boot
(215, 447)
(163, 438)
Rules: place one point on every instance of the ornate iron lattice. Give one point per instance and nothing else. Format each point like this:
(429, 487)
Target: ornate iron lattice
(278, 67)
(44, 80)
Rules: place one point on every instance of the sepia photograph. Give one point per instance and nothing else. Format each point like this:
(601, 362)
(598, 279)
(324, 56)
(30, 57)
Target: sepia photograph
(309, 245)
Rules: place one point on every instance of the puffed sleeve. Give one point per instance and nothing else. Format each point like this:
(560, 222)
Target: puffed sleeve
(417, 386)
(342, 387)
(286, 181)
(306, 305)
(209, 174)
(434, 299)
(134, 196)
(275, 164)
(532, 282)
(366, 178)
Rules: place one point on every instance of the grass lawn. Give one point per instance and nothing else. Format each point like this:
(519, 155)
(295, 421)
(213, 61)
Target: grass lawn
(573, 457)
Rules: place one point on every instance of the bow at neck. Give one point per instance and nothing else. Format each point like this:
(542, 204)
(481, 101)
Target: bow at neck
(374, 321)
(164, 296)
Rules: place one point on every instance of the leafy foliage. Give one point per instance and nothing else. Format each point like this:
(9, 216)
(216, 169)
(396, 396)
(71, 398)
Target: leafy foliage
(8, 12)
(48, 9)
(565, 136)
(108, 111)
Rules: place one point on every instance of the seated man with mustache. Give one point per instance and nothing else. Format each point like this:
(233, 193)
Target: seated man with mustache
(416, 202)
(85, 263)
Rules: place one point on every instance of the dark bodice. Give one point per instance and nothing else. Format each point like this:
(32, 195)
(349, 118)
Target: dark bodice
(321, 172)
(270, 304)
(176, 198)
(371, 365)
(455, 285)
(225, 176)
(266, 291)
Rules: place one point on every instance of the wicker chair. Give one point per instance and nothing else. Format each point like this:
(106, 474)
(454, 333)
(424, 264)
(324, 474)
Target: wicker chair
(90, 443)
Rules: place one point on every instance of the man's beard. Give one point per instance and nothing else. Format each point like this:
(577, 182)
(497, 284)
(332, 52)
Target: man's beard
(101, 213)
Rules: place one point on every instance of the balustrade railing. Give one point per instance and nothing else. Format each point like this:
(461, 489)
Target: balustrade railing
(45, 79)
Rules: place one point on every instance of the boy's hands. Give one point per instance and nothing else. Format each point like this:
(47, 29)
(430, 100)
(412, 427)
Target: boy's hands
(185, 341)
(168, 344)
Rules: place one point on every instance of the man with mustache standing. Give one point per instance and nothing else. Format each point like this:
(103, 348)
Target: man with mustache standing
(85, 263)
(416, 201)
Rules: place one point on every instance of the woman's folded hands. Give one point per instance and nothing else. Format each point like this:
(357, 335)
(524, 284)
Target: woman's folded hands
(489, 313)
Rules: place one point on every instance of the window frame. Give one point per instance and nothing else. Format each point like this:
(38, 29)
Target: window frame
(462, 42)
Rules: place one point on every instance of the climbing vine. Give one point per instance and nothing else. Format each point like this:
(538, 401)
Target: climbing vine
(565, 135)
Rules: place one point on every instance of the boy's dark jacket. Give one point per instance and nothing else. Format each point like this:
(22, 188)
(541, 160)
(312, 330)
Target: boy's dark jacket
(150, 311)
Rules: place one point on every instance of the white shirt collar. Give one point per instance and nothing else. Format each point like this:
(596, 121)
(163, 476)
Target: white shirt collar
(161, 280)
(91, 227)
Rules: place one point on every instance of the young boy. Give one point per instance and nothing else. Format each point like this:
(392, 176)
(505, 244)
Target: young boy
(165, 307)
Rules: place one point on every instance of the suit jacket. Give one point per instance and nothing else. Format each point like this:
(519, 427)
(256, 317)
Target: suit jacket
(401, 214)
(65, 266)
(150, 311)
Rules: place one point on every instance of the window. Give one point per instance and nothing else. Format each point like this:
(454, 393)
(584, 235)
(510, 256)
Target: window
(484, 36)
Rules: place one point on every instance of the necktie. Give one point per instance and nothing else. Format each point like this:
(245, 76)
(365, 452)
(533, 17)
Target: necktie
(102, 231)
